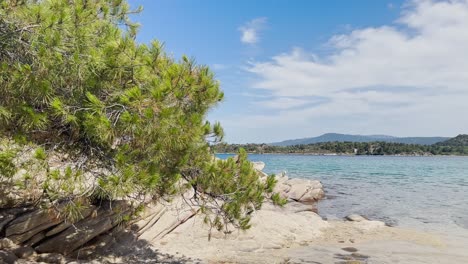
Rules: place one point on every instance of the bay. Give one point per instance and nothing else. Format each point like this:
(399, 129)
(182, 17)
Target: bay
(428, 193)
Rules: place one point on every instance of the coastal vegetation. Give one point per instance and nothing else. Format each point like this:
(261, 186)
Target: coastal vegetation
(454, 146)
(331, 137)
(127, 120)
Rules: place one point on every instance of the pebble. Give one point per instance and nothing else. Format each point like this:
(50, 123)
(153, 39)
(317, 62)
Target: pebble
(350, 249)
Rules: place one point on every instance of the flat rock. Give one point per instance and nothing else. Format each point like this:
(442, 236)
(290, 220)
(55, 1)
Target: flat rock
(273, 228)
(7, 215)
(59, 228)
(27, 225)
(84, 230)
(35, 239)
(165, 221)
(297, 207)
(5, 219)
(355, 218)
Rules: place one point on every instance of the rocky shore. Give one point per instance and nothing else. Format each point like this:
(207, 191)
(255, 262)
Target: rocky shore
(174, 232)
(42, 235)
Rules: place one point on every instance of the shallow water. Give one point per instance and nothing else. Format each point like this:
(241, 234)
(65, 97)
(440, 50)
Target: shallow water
(429, 193)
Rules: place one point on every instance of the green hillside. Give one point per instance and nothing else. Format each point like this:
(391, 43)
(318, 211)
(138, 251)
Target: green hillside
(335, 137)
(460, 140)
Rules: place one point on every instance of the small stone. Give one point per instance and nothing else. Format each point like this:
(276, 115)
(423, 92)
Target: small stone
(7, 257)
(24, 252)
(54, 258)
(350, 249)
(352, 240)
(355, 218)
(6, 243)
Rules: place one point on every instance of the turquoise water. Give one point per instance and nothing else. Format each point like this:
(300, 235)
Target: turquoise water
(424, 192)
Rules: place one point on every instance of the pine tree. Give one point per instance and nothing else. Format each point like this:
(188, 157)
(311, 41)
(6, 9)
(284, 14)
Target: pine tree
(73, 77)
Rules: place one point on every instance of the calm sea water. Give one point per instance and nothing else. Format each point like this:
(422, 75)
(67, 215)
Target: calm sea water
(425, 192)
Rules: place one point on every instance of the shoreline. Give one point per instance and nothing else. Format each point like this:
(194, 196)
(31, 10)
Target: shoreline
(174, 232)
(292, 236)
(339, 154)
(298, 234)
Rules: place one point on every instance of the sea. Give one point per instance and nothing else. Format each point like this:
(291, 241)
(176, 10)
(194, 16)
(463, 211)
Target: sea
(426, 193)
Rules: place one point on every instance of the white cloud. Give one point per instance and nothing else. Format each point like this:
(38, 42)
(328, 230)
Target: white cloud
(407, 78)
(250, 31)
(283, 103)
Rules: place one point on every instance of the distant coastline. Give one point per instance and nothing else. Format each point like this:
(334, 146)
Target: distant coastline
(347, 155)
(457, 146)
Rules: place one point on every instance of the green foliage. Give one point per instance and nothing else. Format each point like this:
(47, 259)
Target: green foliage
(72, 77)
(278, 200)
(79, 77)
(64, 185)
(230, 191)
(455, 146)
(40, 154)
(7, 167)
(73, 210)
(270, 183)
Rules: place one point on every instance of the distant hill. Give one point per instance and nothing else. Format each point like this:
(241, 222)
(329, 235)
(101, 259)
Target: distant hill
(334, 137)
(458, 141)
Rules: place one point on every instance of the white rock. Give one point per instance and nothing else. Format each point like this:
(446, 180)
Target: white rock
(258, 165)
(355, 218)
(302, 190)
(6, 243)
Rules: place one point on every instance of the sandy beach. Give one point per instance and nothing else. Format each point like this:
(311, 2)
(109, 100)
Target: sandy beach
(282, 236)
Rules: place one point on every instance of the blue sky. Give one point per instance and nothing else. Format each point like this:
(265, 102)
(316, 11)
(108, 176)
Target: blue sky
(293, 69)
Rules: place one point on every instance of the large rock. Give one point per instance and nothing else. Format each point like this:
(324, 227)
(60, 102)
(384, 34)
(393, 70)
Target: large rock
(8, 215)
(300, 190)
(27, 225)
(273, 228)
(84, 230)
(312, 195)
(59, 228)
(165, 220)
(258, 165)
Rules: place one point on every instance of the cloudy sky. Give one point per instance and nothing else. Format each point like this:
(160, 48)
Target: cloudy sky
(293, 69)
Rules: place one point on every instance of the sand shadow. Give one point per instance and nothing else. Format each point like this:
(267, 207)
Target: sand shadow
(123, 246)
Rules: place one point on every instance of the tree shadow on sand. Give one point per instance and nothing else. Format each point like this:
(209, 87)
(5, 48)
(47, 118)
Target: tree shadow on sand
(124, 246)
